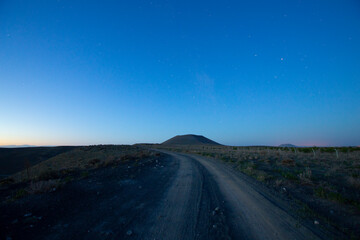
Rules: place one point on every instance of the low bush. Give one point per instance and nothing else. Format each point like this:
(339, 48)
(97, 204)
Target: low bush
(84, 174)
(49, 174)
(44, 186)
(6, 181)
(20, 193)
(93, 162)
(305, 176)
(354, 182)
(305, 150)
(289, 176)
(288, 162)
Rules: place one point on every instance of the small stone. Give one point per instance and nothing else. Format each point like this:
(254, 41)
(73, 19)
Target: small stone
(316, 222)
(27, 214)
(331, 212)
(129, 233)
(217, 209)
(98, 193)
(31, 226)
(140, 187)
(214, 226)
(284, 189)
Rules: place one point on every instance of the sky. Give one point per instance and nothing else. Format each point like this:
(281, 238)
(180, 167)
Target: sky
(238, 72)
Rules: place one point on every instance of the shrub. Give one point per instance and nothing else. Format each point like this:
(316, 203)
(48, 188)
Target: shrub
(288, 176)
(261, 176)
(305, 150)
(329, 195)
(49, 174)
(44, 186)
(344, 149)
(127, 158)
(305, 176)
(327, 149)
(288, 162)
(334, 196)
(354, 182)
(320, 192)
(7, 181)
(84, 174)
(279, 182)
(20, 193)
(68, 179)
(248, 171)
(94, 161)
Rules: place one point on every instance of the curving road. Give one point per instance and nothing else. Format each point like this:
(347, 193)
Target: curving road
(208, 200)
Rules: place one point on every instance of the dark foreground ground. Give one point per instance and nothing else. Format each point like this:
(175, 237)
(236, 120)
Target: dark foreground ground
(167, 196)
(13, 160)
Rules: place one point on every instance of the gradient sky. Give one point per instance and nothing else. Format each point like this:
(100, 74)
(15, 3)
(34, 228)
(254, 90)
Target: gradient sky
(238, 72)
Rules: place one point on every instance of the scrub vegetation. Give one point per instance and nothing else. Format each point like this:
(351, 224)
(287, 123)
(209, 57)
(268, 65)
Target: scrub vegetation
(80, 159)
(53, 173)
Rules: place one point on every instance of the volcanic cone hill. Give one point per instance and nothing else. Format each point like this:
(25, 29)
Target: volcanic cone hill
(287, 145)
(189, 139)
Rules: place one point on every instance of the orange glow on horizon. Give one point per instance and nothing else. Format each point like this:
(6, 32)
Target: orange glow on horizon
(6, 142)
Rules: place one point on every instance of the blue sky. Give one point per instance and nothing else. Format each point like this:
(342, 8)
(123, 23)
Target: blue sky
(238, 72)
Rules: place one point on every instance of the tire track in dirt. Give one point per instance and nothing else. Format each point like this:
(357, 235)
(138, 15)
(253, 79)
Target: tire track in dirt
(250, 215)
(190, 208)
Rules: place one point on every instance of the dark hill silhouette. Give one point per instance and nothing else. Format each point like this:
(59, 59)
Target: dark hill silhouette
(287, 145)
(190, 139)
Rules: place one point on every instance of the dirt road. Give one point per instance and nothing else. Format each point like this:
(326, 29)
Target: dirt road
(174, 197)
(228, 204)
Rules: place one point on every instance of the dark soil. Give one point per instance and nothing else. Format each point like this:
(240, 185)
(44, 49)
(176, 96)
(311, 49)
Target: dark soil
(99, 204)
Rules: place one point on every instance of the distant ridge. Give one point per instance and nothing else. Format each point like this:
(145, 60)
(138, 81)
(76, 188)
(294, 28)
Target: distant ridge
(189, 139)
(287, 145)
(17, 146)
